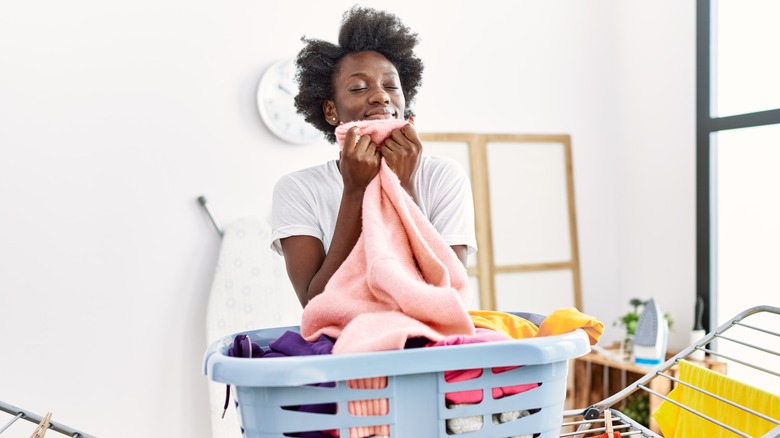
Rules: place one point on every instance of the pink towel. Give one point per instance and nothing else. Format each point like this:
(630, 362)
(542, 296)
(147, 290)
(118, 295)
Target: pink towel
(401, 280)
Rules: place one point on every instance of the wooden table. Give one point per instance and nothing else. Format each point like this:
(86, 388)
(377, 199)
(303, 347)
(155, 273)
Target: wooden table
(596, 376)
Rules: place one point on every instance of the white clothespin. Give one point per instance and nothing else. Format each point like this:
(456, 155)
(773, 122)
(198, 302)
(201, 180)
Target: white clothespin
(608, 422)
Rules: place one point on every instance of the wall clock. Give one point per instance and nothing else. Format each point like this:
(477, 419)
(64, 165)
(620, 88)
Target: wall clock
(275, 101)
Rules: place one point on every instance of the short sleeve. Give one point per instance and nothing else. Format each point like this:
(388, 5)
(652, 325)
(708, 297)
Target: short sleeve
(448, 201)
(292, 212)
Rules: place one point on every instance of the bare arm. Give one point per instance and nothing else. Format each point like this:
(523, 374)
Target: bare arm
(308, 267)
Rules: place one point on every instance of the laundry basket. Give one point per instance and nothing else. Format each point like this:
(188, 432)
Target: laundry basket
(270, 392)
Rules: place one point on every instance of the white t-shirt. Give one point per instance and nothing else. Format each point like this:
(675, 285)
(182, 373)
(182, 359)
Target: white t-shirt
(306, 202)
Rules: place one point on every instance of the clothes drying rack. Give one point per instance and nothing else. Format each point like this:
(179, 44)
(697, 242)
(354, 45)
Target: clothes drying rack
(43, 421)
(595, 419)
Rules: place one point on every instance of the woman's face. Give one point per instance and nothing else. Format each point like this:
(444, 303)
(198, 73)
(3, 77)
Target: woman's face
(367, 87)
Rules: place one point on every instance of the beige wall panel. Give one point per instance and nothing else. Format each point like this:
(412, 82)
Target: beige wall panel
(529, 209)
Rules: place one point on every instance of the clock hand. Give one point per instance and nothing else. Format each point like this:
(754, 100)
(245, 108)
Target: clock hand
(285, 89)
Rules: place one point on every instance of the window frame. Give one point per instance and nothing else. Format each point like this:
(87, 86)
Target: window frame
(706, 124)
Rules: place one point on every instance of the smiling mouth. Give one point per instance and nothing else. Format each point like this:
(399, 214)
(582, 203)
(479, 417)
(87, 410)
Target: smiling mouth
(383, 116)
(380, 114)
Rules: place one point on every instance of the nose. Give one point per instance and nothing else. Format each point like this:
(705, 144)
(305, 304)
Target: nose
(380, 96)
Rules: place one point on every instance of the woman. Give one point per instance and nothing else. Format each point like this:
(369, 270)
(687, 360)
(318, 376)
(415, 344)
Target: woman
(371, 74)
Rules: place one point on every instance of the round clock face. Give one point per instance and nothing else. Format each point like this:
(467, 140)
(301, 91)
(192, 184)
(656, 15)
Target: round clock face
(275, 101)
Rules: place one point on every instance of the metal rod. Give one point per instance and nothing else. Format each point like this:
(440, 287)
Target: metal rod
(746, 344)
(747, 364)
(715, 396)
(693, 411)
(774, 433)
(36, 419)
(205, 203)
(769, 332)
(13, 420)
(618, 427)
(586, 428)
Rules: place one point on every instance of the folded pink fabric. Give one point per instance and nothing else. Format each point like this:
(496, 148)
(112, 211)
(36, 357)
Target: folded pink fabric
(401, 280)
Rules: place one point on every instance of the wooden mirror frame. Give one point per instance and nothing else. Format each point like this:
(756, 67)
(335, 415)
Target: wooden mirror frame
(486, 268)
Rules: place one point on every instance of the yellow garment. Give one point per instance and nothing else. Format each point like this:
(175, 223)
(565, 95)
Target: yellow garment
(562, 321)
(513, 325)
(675, 421)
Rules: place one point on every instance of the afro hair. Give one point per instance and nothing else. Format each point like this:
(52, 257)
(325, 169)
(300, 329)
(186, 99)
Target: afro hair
(362, 29)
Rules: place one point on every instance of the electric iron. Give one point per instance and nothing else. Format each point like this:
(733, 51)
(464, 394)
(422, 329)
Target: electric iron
(650, 336)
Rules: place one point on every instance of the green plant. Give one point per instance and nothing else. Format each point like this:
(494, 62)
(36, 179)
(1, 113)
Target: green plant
(637, 408)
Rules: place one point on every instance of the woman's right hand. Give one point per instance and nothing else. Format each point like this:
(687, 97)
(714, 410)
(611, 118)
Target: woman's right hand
(308, 266)
(359, 162)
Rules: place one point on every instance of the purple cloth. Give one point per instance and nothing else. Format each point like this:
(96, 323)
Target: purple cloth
(244, 347)
(290, 343)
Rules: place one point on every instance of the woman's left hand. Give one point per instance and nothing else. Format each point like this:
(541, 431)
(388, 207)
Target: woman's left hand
(402, 152)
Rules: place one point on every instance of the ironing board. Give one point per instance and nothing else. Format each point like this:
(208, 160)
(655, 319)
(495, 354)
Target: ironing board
(250, 290)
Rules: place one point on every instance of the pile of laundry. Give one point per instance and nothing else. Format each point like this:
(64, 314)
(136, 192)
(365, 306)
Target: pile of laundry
(489, 326)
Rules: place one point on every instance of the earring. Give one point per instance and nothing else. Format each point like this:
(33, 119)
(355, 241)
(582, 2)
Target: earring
(334, 119)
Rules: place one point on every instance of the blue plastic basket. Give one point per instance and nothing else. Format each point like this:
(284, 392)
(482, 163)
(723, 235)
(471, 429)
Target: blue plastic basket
(265, 389)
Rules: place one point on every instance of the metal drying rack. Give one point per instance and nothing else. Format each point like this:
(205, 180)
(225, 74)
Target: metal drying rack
(43, 421)
(592, 421)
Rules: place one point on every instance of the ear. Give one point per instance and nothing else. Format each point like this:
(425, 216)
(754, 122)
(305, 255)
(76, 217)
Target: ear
(329, 110)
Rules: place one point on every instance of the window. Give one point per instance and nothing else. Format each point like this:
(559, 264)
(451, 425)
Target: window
(737, 156)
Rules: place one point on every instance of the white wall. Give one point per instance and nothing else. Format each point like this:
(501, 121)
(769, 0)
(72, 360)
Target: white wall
(655, 118)
(115, 117)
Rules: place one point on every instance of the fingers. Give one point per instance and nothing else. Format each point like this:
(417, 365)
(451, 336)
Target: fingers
(360, 145)
(351, 138)
(403, 141)
(411, 132)
(402, 152)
